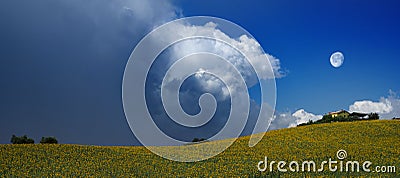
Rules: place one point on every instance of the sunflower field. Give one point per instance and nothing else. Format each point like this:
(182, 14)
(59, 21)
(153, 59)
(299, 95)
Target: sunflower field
(374, 141)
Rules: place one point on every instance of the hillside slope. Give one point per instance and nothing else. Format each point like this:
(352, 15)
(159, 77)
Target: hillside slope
(375, 141)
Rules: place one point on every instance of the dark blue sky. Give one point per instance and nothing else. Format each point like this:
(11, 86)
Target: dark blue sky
(62, 62)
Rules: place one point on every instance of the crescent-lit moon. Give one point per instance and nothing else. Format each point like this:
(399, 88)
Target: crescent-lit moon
(337, 59)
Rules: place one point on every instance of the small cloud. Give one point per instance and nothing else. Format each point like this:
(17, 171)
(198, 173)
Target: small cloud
(282, 120)
(285, 120)
(302, 117)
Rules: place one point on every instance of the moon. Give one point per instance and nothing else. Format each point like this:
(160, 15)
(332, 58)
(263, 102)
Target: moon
(337, 59)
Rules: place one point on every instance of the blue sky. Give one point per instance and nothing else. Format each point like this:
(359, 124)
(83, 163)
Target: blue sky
(303, 35)
(62, 62)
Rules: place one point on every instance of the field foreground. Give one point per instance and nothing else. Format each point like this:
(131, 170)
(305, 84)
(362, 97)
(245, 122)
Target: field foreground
(374, 141)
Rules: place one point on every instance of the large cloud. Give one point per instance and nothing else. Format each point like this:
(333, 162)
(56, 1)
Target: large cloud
(248, 46)
(201, 82)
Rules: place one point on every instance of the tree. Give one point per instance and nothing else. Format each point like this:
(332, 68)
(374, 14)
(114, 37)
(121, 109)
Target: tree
(373, 116)
(14, 139)
(325, 119)
(48, 140)
(21, 140)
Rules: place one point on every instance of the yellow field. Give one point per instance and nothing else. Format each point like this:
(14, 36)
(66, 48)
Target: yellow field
(375, 141)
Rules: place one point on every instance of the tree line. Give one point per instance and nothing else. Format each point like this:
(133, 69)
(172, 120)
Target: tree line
(26, 140)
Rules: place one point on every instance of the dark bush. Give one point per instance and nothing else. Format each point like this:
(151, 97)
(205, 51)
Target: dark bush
(21, 140)
(48, 140)
(307, 123)
(198, 139)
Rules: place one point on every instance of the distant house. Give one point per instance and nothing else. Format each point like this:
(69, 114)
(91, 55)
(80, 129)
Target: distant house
(341, 113)
(345, 114)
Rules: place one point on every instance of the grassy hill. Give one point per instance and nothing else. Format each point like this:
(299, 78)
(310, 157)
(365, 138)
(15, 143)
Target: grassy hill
(375, 141)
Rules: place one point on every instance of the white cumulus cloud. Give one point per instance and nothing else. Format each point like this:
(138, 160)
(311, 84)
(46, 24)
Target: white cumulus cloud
(387, 107)
(384, 106)
(282, 120)
(287, 119)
